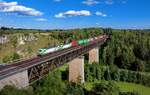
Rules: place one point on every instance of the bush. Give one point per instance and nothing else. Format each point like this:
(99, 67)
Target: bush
(74, 89)
(105, 88)
(123, 75)
(129, 93)
(6, 59)
(10, 90)
(15, 56)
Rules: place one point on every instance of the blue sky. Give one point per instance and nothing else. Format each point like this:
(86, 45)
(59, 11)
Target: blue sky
(54, 14)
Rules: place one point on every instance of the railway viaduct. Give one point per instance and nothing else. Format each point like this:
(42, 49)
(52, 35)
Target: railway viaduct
(25, 72)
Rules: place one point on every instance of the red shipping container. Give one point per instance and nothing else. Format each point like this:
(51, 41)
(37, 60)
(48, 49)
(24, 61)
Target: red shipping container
(74, 43)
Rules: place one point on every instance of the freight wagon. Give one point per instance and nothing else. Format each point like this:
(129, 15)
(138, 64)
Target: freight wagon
(74, 43)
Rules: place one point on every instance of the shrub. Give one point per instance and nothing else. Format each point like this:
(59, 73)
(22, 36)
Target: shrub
(74, 89)
(10, 90)
(105, 88)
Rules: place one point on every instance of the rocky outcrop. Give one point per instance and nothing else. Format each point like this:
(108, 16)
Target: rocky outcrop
(21, 38)
(4, 39)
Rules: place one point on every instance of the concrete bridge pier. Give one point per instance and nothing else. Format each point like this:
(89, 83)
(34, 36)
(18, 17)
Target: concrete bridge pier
(94, 55)
(19, 80)
(76, 69)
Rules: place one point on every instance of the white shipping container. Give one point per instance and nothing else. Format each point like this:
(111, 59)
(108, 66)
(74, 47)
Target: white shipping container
(100, 37)
(89, 40)
(66, 46)
(57, 48)
(51, 50)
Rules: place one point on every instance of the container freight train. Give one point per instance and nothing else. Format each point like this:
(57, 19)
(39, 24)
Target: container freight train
(74, 43)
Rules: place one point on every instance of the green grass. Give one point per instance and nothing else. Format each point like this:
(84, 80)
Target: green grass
(143, 90)
(125, 87)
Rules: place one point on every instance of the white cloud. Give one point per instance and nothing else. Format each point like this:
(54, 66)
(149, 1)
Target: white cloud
(90, 2)
(78, 13)
(60, 15)
(110, 2)
(98, 13)
(41, 19)
(57, 0)
(71, 13)
(13, 7)
(8, 4)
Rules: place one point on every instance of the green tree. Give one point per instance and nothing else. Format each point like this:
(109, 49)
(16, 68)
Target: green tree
(138, 65)
(107, 74)
(114, 72)
(51, 85)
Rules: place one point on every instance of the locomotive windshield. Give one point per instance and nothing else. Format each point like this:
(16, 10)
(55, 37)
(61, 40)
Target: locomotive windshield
(40, 50)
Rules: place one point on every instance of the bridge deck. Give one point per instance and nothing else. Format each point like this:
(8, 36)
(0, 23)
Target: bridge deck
(29, 63)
